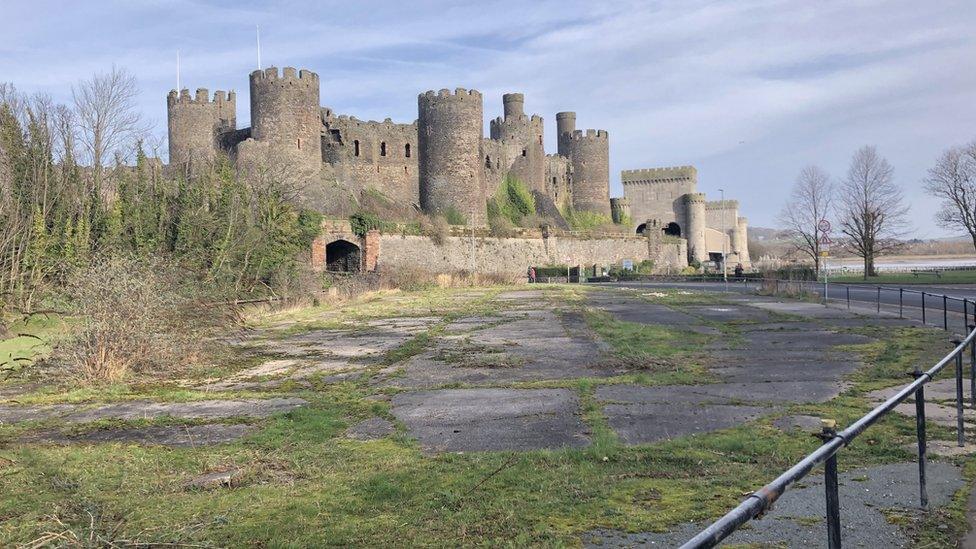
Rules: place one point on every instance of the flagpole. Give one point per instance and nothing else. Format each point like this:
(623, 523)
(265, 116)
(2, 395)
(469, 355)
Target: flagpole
(257, 29)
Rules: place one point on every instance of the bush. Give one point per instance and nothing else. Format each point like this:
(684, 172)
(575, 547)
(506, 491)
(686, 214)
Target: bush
(363, 221)
(513, 201)
(137, 315)
(454, 217)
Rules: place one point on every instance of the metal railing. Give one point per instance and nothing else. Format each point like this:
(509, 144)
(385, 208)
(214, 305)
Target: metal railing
(761, 500)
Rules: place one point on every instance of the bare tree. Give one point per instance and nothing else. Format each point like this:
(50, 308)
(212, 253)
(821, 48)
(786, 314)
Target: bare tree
(953, 181)
(107, 116)
(872, 212)
(811, 200)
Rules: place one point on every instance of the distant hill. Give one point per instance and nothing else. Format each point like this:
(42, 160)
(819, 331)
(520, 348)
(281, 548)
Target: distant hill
(765, 234)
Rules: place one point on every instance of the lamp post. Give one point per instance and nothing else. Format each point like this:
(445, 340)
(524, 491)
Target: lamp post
(725, 266)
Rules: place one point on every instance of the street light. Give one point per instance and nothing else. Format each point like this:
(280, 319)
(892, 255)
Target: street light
(725, 266)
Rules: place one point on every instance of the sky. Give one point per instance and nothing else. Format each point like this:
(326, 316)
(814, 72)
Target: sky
(747, 91)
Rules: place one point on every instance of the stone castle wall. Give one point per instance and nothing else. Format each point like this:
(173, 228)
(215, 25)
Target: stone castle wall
(195, 123)
(512, 256)
(450, 128)
(656, 193)
(377, 155)
(559, 177)
(722, 215)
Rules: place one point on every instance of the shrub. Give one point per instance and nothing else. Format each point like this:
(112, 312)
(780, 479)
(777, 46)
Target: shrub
(513, 201)
(138, 315)
(454, 217)
(363, 221)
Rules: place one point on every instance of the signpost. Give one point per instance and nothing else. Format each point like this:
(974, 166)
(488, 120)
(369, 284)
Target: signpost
(825, 242)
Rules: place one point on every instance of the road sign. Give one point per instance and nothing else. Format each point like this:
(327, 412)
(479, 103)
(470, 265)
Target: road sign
(824, 253)
(825, 240)
(824, 226)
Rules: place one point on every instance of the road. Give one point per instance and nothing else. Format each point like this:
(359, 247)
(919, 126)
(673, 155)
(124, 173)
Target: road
(914, 301)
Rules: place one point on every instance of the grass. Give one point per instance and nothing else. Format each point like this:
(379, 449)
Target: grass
(303, 483)
(29, 340)
(948, 277)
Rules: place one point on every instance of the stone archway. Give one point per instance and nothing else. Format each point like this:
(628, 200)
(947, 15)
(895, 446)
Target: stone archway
(342, 256)
(672, 229)
(641, 228)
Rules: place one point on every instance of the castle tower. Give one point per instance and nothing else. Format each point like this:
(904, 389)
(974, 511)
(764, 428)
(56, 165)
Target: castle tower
(565, 126)
(194, 124)
(450, 130)
(514, 105)
(740, 242)
(694, 214)
(522, 139)
(620, 209)
(285, 114)
(590, 153)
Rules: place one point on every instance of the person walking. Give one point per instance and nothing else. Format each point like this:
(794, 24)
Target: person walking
(532, 274)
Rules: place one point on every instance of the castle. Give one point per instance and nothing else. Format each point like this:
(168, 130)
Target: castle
(442, 163)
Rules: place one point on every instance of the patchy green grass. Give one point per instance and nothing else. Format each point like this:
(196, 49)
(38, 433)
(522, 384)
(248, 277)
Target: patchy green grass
(303, 483)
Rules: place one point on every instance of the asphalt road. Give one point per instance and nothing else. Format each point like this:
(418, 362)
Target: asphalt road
(911, 300)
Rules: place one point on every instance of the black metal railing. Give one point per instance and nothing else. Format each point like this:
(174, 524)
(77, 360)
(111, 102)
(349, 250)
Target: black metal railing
(761, 500)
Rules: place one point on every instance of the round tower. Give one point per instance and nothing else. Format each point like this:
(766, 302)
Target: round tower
(565, 126)
(514, 104)
(740, 242)
(285, 113)
(694, 229)
(590, 154)
(450, 130)
(195, 122)
(619, 209)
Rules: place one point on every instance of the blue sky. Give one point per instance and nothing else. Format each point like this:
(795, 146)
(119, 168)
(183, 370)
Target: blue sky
(748, 91)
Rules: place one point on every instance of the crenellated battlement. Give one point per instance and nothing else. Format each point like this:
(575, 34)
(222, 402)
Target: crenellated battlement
(722, 205)
(693, 198)
(458, 93)
(662, 175)
(287, 76)
(578, 135)
(202, 97)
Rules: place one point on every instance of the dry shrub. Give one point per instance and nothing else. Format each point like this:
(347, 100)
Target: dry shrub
(500, 227)
(437, 228)
(135, 315)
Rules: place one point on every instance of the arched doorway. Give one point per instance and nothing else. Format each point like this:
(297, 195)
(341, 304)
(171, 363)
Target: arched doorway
(641, 228)
(672, 229)
(342, 256)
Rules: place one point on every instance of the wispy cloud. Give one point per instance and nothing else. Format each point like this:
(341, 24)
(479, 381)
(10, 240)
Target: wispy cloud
(749, 91)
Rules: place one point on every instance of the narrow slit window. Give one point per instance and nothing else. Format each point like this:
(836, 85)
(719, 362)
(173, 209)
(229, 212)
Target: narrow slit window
(355, 145)
(406, 150)
(383, 148)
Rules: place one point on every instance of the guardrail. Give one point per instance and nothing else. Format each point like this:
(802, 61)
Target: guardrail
(761, 500)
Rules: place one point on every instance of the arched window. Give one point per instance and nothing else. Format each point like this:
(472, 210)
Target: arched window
(355, 145)
(406, 150)
(672, 229)
(383, 148)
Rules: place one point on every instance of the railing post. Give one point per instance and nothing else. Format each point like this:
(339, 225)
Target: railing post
(960, 434)
(848, 297)
(923, 308)
(945, 312)
(830, 489)
(901, 302)
(920, 429)
(879, 300)
(972, 370)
